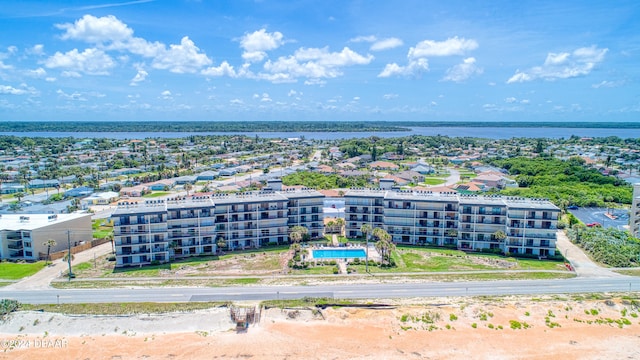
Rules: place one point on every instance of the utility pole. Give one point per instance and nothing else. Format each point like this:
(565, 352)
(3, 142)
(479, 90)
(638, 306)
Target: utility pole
(69, 255)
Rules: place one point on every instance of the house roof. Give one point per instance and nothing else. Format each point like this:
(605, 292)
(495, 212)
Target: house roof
(383, 165)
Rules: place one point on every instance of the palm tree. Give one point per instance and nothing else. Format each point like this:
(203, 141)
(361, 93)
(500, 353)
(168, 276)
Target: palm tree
(110, 237)
(188, 188)
(340, 224)
(49, 244)
(172, 246)
(366, 229)
(295, 236)
(220, 244)
(499, 235)
(298, 233)
(384, 244)
(19, 195)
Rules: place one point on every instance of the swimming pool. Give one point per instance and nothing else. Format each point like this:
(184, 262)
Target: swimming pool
(339, 254)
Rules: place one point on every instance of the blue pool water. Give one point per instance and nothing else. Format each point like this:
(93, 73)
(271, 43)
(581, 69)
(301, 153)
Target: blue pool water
(339, 254)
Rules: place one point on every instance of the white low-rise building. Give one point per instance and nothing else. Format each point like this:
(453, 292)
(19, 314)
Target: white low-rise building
(23, 236)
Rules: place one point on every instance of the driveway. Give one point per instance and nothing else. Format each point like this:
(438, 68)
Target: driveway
(583, 266)
(42, 278)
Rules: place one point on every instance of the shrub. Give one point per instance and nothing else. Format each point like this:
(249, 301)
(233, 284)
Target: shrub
(7, 306)
(453, 317)
(474, 325)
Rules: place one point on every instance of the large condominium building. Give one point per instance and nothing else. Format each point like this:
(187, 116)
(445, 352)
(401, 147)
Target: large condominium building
(23, 237)
(157, 230)
(513, 225)
(634, 218)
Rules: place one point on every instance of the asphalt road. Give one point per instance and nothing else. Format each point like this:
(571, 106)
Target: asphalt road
(356, 291)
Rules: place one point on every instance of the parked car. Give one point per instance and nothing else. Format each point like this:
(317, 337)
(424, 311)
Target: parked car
(594, 224)
(572, 207)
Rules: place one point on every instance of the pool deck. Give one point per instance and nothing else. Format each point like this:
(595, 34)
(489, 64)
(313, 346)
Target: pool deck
(373, 253)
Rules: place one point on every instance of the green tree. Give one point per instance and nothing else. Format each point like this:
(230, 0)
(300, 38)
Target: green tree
(340, 224)
(383, 244)
(19, 195)
(499, 235)
(49, 244)
(298, 233)
(221, 244)
(366, 229)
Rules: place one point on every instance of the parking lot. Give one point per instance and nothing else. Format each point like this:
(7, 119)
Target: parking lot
(597, 215)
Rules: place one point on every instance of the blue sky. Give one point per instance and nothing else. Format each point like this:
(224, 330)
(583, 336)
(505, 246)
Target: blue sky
(320, 60)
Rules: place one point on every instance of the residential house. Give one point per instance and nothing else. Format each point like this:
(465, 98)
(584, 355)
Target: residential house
(423, 169)
(161, 185)
(80, 191)
(134, 191)
(411, 176)
(383, 165)
(103, 198)
(207, 175)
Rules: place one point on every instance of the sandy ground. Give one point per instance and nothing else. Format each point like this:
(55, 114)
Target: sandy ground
(420, 329)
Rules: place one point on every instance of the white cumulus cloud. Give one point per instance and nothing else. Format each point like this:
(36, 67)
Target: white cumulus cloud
(140, 77)
(451, 46)
(386, 44)
(414, 67)
(96, 30)
(462, 72)
(223, 69)
(183, 58)
(564, 65)
(109, 33)
(37, 73)
(257, 43)
(90, 61)
(313, 63)
(10, 90)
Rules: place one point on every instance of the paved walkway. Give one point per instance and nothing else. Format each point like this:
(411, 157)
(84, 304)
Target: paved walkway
(43, 278)
(583, 266)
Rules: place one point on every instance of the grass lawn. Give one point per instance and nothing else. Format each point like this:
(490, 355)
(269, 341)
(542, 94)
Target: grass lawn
(634, 272)
(5, 283)
(315, 270)
(16, 271)
(421, 259)
(434, 181)
(156, 194)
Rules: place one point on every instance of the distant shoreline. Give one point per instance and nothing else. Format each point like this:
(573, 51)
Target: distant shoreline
(288, 126)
